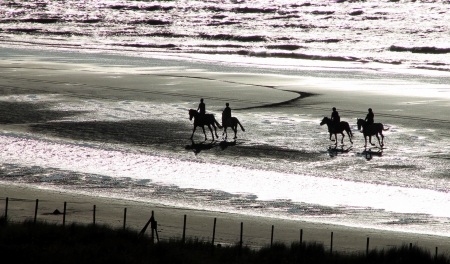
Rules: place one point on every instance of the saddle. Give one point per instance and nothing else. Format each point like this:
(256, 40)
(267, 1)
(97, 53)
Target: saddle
(227, 122)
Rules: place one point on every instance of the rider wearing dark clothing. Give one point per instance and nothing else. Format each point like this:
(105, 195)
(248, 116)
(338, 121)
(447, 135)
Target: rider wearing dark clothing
(226, 114)
(201, 107)
(369, 118)
(335, 118)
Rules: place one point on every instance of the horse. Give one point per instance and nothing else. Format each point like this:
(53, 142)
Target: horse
(232, 122)
(372, 130)
(339, 129)
(202, 121)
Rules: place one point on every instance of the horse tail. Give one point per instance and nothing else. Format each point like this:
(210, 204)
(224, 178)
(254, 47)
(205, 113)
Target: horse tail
(349, 131)
(239, 123)
(217, 123)
(384, 129)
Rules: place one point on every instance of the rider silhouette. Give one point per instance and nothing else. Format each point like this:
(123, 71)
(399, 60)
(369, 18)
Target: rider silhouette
(201, 107)
(335, 118)
(369, 118)
(226, 114)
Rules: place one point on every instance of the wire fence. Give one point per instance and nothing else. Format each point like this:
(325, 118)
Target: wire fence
(152, 229)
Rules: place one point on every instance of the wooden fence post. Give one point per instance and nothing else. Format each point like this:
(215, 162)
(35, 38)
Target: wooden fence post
(331, 244)
(36, 210)
(240, 240)
(367, 247)
(184, 230)
(301, 237)
(124, 218)
(93, 214)
(6, 209)
(271, 238)
(64, 213)
(214, 232)
(152, 227)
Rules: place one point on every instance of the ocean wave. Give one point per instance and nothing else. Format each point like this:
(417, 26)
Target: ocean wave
(252, 38)
(433, 50)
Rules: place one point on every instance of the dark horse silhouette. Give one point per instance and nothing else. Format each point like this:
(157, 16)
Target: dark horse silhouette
(372, 130)
(339, 129)
(202, 121)
(232, 122)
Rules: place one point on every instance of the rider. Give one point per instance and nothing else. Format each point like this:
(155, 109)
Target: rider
(226, 114)
(201, 107)
(335, 118)
(369, 118)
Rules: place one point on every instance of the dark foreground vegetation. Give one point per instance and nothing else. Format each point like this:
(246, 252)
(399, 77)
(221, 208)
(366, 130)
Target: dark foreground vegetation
(40, 242)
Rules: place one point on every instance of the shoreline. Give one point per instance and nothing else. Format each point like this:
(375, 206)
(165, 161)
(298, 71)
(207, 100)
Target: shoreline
(256, 229)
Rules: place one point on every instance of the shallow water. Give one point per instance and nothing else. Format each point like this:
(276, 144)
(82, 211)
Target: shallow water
(410, 33)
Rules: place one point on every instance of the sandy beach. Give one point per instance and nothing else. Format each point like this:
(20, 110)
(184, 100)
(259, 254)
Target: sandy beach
(199, 224)
(65, 83)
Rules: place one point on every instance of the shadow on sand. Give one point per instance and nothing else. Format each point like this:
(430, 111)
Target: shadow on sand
(204, 145)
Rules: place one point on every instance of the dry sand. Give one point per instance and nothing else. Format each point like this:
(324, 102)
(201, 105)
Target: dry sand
(53, 78)
(199, 224)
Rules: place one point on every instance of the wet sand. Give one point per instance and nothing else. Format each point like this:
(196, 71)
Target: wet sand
(88, 82)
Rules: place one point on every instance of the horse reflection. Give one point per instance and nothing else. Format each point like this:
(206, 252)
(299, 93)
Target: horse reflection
(369, 153)
(334, 151)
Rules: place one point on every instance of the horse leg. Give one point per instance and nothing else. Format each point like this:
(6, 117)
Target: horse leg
(225, 132)
(331, 136)
(379, 142)
(370, 140)
(215, 130)
(365, 140)
(350, 137)
(382, 139)
(193, 132)
(235, 131)
(210, 129)
(342, 140)
(203, 127)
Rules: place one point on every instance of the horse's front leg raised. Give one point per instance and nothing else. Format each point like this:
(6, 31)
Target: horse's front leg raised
(331, 134)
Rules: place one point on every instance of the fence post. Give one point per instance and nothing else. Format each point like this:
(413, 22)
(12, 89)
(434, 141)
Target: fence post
(152, 227)
(64, 213)
(271, 238)
(36, 210)
(240, 240)
(6, 209)
(124, 218)
(331, 244)
(367, 247)
(301, 237)
(93, 214)
(184, 230)
(214, 232)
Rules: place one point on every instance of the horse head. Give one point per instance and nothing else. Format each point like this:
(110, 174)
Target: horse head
(360, 123)
(192, 113)
(325, 120)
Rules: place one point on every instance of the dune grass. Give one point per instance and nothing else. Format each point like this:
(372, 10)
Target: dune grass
(41, 242)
